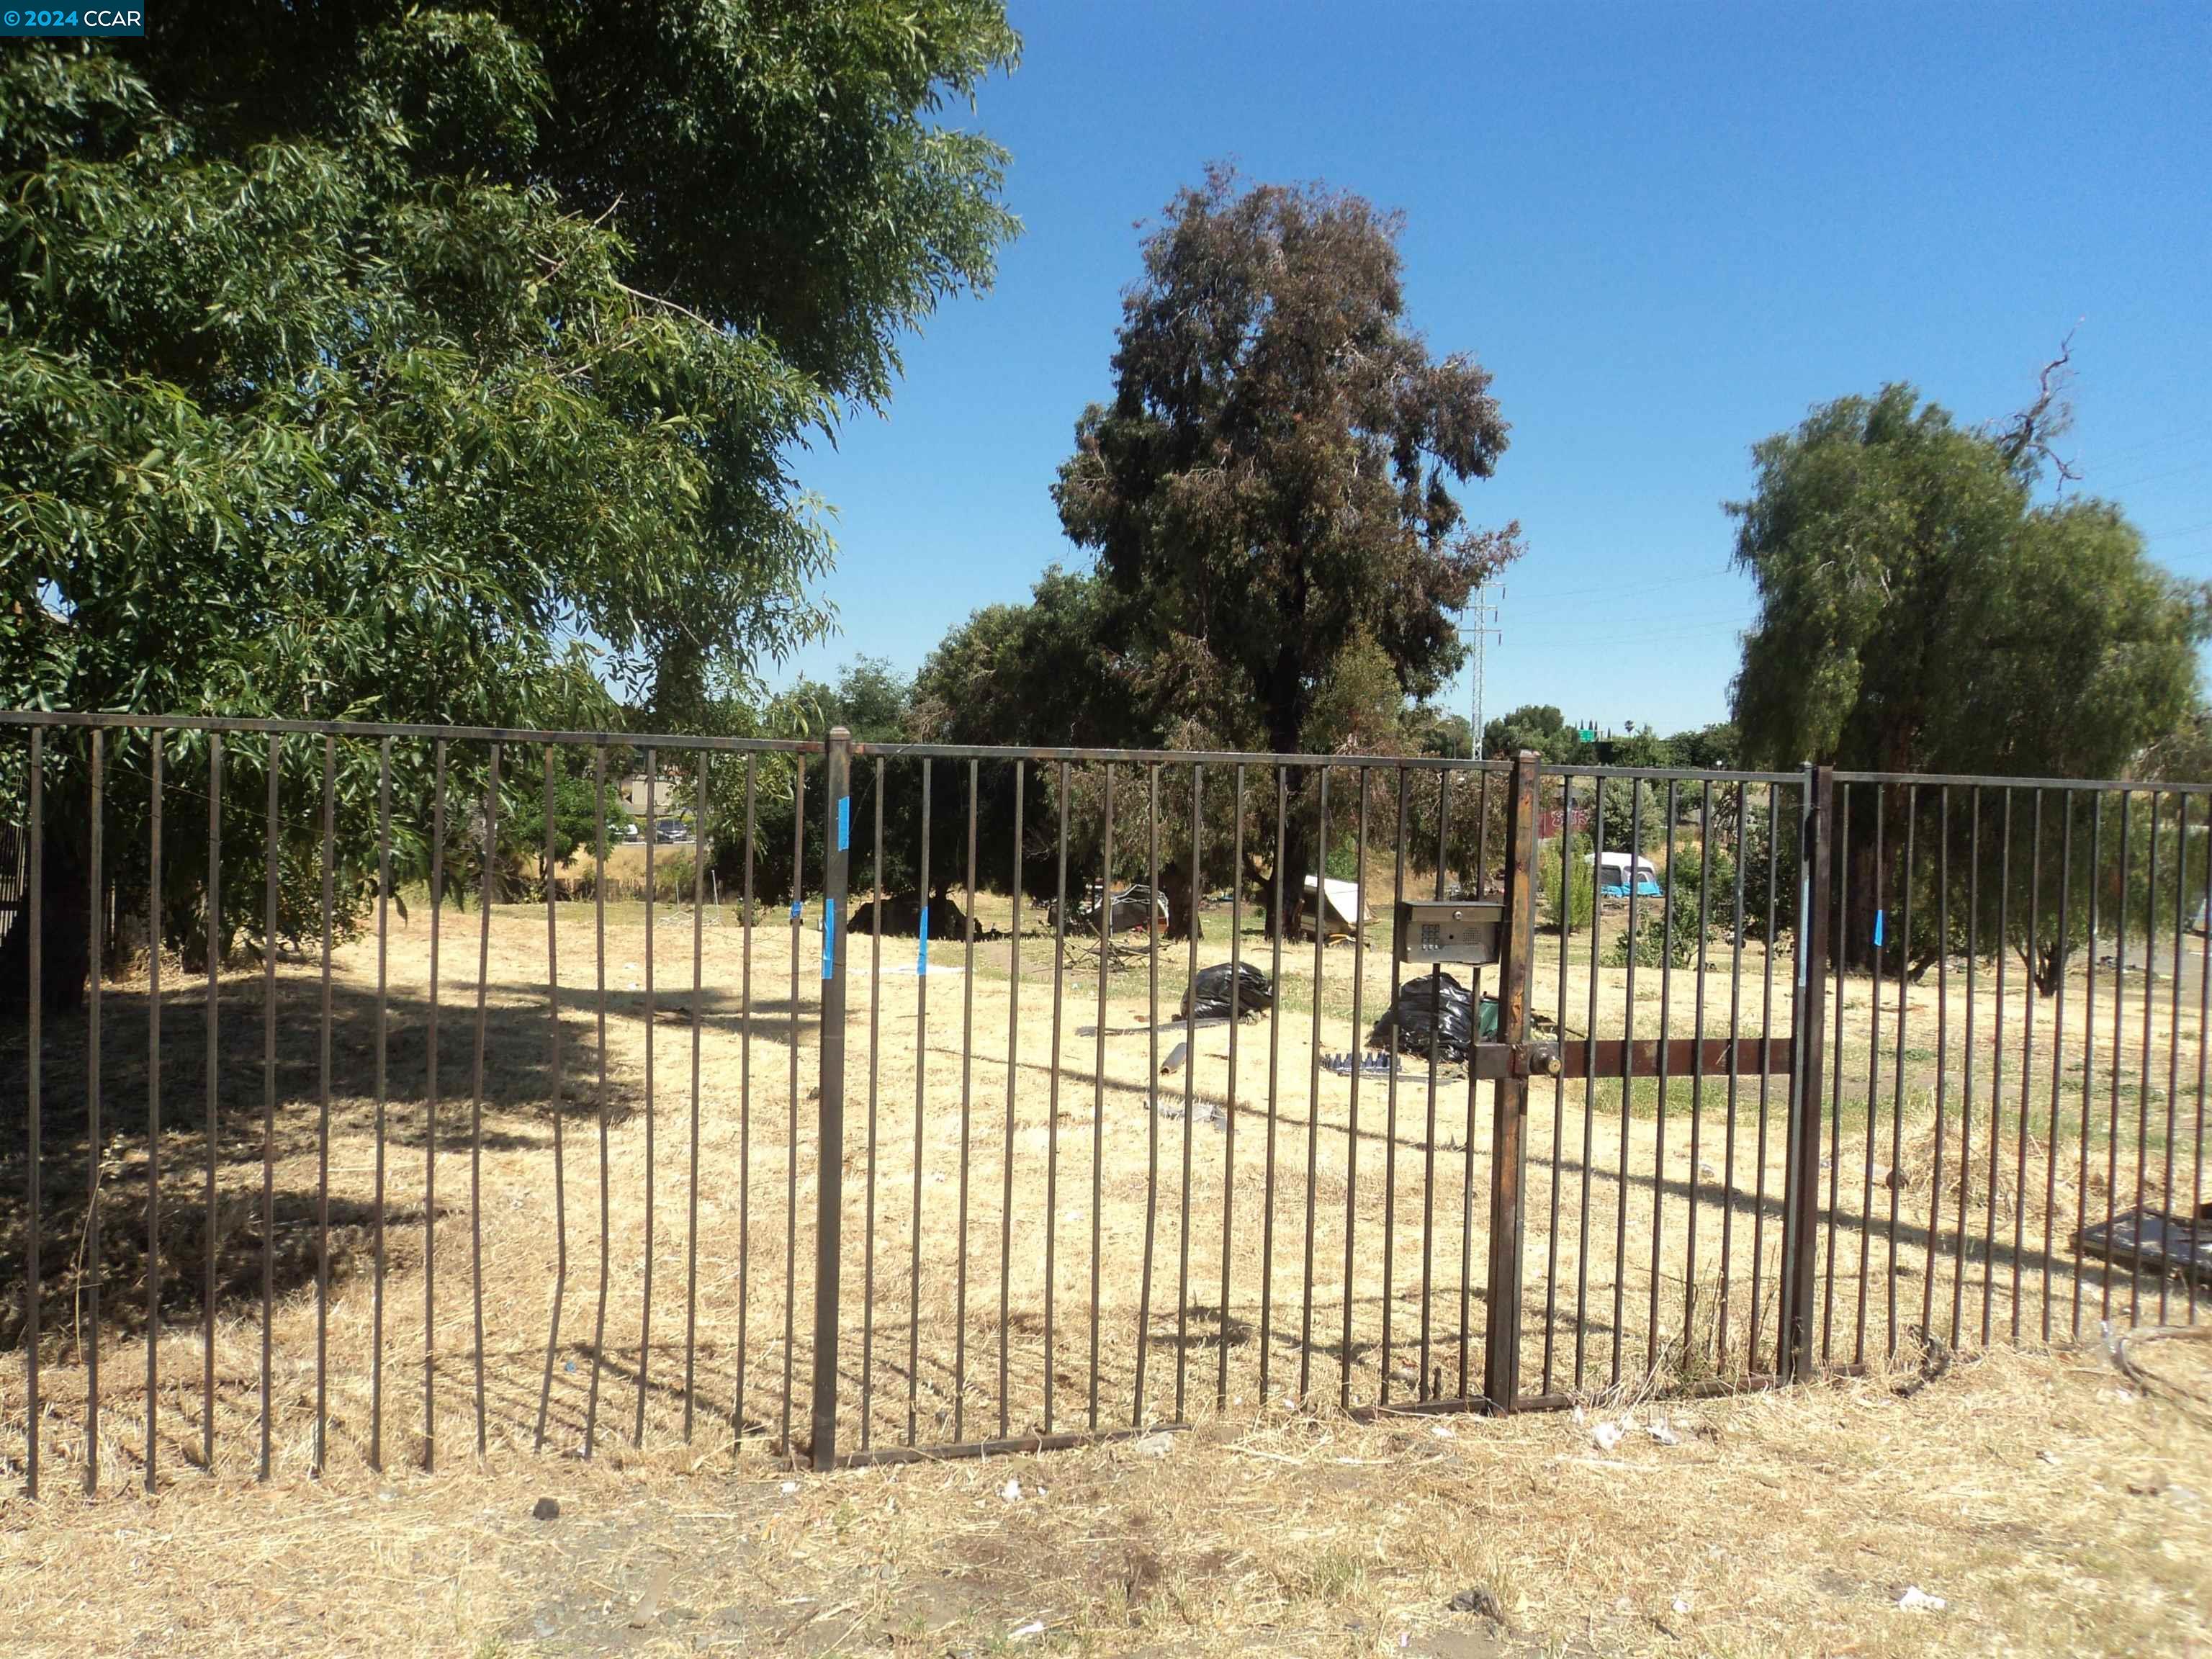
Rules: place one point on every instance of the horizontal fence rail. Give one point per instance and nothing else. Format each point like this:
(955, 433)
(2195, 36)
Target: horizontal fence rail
(396, 1091)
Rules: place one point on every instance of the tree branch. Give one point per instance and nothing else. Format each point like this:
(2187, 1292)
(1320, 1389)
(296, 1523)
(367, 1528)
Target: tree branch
(2030, 431)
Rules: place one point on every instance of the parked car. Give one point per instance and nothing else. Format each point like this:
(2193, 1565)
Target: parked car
(1618, 875)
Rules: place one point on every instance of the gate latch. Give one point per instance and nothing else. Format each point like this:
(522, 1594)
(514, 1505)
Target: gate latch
(1535, 1060)
(1499, 1060)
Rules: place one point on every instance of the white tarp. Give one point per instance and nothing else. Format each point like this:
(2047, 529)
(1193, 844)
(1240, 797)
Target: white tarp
(1342, 898)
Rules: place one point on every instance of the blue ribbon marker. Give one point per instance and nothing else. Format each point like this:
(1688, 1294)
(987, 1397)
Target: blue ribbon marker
(797, 909)
(844, 823)
(828, 935)
(921, 959)
(1877, 930)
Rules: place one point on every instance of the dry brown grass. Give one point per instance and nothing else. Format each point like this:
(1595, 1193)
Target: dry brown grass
(1613, 1211)
(2057, 1509)
(1789, 1529)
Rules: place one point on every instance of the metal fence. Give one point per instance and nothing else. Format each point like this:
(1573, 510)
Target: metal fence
(1848, 1069)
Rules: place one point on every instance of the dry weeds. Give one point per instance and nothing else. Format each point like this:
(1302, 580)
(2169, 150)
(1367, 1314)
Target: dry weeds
(2054, 1507)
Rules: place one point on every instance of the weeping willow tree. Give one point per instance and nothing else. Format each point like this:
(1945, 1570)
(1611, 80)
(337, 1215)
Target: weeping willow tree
(1920, 610)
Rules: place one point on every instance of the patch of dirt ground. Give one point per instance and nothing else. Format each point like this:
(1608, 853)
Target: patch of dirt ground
(2053, 1506)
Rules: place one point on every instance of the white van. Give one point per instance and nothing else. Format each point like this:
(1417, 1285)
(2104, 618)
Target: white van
(1618, 875)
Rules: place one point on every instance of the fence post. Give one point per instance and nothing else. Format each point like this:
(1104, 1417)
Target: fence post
(1801, 1186)
(1501, 1363)
(829, 1140)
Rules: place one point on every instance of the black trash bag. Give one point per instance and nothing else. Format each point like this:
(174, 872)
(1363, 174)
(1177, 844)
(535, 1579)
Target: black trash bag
(903, 915)
(1208, 995)
(1442, 1020)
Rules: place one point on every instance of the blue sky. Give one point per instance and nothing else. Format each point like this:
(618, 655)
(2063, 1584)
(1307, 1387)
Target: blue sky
(1667, 229)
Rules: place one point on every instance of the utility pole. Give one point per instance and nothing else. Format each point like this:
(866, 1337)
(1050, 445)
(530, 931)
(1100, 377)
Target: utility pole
(1480, 622)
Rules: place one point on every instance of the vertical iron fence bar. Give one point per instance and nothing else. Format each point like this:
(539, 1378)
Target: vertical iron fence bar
(2119, 1039)
(1230, 1106)
(383, 1068)
(1052, 1104)
(34, 1016)
(967, 1109)
(486, 878)
(1996, 1068)
(1351, 1123)
(745, 1118)
(1098, 1081)
(1275, 1066)
(830, 1116)
(1501, 1363)
(2204, 1043)
(692, 1183)
(1942, 1054)
(1466, 1135)
(1766, 1073)
(875, 1052)
(1874, 1082)
(1697, 1066)
(1558, 1086)
(1013, 1060)
(1313, 1083)
(1897, 1108)
(1841, 935)
(1966, 1092)
(2143, 1070)
(2174, 1022)
(1189, 1096)
(2026, 1055)
(323, 1123)
(1651, 1343)
(553, 1062)
(791, 1114)
(96, 914)
(1735, 1078)
(1151, 1080)
(1430, 1387)
(267, 1093)
(652, 760)
(430, 1092)
(215, 1124)
(599, 1100)
(1390, 1104)
(1628, 1076)
(154, 747)
(1589, 1085)
(2088, 1054)
(921, 1096)
(2057, 1041)
(1800, 1203)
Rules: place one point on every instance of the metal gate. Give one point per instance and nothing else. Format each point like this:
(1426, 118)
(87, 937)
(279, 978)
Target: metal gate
(1731, 1089)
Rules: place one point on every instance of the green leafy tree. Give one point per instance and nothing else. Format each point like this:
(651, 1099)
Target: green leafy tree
(1919, 611)
(872, 700)
(350, 360)
(1533, 726)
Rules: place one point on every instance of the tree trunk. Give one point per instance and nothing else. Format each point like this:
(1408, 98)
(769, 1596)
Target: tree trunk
(1183, 909)
(65, 942)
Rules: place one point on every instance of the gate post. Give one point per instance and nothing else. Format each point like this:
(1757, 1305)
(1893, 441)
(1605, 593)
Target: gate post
(830, 1139)
(1801, 1185)
(1501, 1360)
